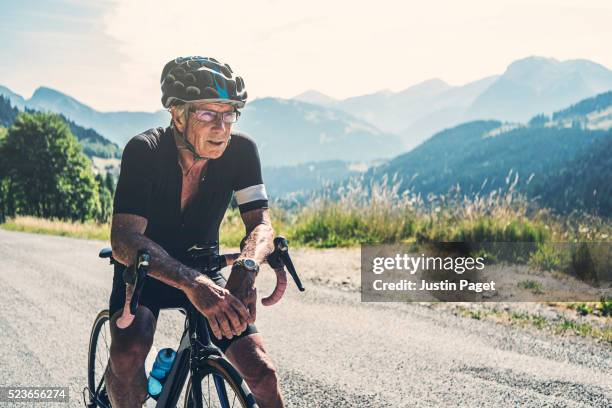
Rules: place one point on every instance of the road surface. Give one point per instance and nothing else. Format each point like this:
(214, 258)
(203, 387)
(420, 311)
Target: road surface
(331, 349)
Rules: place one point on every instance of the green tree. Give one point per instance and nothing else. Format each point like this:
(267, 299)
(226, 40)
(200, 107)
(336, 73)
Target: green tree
(538, 120)
(47, 175)
(106, 199)
(109, 181)
(4, 181)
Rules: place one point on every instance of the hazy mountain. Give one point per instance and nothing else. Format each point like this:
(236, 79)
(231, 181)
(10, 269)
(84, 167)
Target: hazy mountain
(528, 86)
(393, 111)
(8, 113)
(315, 97)
(447, 109)
(288, 132)
(94, 144)
(414, 113)
(16, 100)
(592, 113)
(291, 132)
(301, 178)
(118, 127)
(561, 162)
(539, 85)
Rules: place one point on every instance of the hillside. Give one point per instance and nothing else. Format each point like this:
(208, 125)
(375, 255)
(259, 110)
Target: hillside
(535, 84)
(92, 142)
(585, 182)
(8, 113)
(118, 127)
(290, 132)
(305, 177)
(560, 164)
(593, 113)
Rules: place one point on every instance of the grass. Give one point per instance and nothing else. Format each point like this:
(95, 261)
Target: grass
(378, 214)
(565, 326)
(602, 308)
(87, 230)
(232, 228)
(534, 286)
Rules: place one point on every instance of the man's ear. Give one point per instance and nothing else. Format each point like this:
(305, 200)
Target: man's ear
(179, 120)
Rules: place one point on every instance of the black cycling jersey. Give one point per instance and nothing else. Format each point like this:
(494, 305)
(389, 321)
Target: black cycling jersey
(150, 185)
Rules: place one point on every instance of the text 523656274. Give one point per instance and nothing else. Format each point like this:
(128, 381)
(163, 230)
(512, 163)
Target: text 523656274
(33, 394)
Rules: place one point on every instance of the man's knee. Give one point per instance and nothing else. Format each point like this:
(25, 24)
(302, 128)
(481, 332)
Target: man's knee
(130, 346)
(262, 374)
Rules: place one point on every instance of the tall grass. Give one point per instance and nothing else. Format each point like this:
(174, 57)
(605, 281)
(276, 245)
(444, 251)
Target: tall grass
(378, 213)
(354, 215)
(87, 230)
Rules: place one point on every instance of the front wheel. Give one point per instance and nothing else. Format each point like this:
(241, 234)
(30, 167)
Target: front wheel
(97, 361)
(221, 387)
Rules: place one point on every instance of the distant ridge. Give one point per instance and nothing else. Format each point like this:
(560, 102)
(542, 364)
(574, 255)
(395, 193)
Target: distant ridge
(528, 86)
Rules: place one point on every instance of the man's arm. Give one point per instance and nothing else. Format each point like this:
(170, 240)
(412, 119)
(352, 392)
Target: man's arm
(259, 243)
(127, 237)
(213, 301)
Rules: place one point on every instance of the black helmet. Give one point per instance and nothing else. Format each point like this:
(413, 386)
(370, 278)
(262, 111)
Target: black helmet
(188, 79)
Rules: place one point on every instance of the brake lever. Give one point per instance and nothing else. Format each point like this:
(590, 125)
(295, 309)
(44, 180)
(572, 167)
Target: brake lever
(139, 274)
(280, 257)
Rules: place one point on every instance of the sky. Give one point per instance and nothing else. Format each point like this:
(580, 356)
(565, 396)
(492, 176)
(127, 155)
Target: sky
(109, 54)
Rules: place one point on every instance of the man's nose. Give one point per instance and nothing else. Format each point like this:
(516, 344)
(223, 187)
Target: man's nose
(219, 124)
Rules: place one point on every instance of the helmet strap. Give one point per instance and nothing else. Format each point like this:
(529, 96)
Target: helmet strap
(182, 142)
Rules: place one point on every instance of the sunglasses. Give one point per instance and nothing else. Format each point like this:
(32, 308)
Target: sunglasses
(209, 116)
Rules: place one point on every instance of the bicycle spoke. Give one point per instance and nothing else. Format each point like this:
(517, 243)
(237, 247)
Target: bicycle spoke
(99, 360)
(104, 336)
(208, 381)
(209, 396)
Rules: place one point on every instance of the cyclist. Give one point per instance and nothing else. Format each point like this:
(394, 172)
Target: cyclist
(173, 190)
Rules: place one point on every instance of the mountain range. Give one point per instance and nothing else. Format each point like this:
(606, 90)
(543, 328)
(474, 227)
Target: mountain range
(527, 87)
(293, 132)
(562, 161)
(314, 127)
(287, 132)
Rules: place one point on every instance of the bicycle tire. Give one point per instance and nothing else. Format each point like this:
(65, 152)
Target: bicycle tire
(219, 366)
(96, 400)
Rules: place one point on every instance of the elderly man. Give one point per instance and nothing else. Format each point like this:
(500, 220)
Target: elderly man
(174, 188)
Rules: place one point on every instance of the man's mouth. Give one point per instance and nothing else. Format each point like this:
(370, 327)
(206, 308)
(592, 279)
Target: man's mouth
(216, 143)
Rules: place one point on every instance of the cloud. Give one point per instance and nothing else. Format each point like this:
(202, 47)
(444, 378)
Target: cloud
(110, 54)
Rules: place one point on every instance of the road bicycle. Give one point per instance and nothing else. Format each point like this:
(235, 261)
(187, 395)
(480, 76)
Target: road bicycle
(212, 381)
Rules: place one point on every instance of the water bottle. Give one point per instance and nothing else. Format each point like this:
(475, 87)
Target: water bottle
(159, 372)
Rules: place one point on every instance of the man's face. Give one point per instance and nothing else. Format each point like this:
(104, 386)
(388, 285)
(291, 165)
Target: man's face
(209, 138)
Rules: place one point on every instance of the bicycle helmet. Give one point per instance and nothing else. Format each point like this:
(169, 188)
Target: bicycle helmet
(189, 79)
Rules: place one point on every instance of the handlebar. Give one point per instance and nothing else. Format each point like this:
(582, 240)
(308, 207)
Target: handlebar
(205, 257)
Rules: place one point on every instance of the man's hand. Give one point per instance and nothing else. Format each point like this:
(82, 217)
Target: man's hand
(241, 283)
(226, 315)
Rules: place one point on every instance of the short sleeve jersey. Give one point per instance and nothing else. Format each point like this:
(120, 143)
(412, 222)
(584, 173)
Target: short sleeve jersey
(150, 184)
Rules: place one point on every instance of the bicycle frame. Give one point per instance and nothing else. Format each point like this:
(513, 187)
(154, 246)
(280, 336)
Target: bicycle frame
(195, 346)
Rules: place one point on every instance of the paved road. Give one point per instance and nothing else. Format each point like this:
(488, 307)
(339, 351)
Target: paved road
(332, 350)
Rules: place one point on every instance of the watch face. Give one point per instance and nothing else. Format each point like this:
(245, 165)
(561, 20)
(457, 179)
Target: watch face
(250, 264)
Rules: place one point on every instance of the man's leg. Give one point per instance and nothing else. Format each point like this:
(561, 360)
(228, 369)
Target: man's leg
(126, 380)
(249, 356)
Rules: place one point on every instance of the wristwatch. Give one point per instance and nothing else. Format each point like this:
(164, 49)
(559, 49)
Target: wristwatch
(249, 264)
